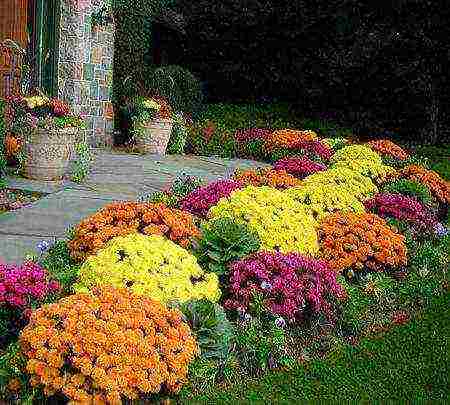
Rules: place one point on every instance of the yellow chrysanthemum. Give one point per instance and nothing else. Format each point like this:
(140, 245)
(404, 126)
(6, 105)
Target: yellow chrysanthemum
(346, 179)
(280, 222)
(149, 265)
(322, 200)
(361, 159)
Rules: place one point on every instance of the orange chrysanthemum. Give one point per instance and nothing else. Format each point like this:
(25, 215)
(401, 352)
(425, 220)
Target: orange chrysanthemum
(358, 241)
(279, 179)
(123, 218)
(151, 347)
(288, 138)
(437, 186)
(388, 148)
(12, 145)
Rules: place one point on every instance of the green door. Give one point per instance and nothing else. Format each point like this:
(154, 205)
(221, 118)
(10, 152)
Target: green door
(45, 29)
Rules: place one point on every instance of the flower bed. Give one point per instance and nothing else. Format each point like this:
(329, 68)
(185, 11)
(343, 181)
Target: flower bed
(273, 267)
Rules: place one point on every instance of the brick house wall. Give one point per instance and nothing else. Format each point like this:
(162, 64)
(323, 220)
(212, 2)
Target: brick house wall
(85, 68)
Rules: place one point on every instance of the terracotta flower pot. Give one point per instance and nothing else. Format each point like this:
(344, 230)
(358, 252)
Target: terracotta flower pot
(48, 152)
(153, 136)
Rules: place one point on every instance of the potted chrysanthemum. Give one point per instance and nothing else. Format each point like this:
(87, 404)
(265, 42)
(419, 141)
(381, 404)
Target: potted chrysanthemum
(48, 133)
(151, 124)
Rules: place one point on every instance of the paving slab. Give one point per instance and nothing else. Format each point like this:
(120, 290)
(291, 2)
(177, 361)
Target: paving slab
(113, 177)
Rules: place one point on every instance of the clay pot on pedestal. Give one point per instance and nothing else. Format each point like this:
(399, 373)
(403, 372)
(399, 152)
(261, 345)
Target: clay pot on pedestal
(48, 152)
(153, 136)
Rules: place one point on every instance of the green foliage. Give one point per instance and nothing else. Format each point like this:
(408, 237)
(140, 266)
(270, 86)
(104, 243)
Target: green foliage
(185, 184)
(177, 85)
(411, 362)
(211, 327)
(409, 188)
(261, 346)
(178, 136)
(438, 157)
(164, 197)
(82, 162)
(12, 364)
(428, 270)
(219, 143)
(224, 241)
(60, 265)
(369, 302)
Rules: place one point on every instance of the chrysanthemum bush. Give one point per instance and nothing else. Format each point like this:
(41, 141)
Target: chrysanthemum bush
(280, 222)
(386, 147)
(437, 186)
(409, 188)
(323, 200)
(299, 167)
(278, 179)
(123, 218)
(22, 287)
(346, 179)
(288, 285)
(150, 265)
(107, 346)
(402, 208)
(199, 201)
(359, 242)
(363, 160)
(250, 142)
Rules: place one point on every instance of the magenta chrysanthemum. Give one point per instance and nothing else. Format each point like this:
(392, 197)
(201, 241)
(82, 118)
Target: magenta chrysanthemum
(21, 285)
(402, 208)
(290, 284)
(299, 167)
(199, 201)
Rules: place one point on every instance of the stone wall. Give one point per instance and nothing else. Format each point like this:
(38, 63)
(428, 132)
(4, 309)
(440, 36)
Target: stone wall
(85, 68)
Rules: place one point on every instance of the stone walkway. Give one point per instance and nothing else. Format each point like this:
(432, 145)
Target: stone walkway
(114, 177)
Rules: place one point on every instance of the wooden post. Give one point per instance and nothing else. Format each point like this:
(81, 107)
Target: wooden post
(13, 25)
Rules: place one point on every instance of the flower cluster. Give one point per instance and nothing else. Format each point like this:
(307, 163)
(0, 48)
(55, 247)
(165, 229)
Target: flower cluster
(280, 222)
(437, 186)
(402, 208)
(388, 148)
(244, 136)
(20, 286)
(346, 179)
(290, 285)
(288, 138)
(199, 201)
(12, 145)
(363, 160)
(123, 218)
(108, 346)
(278, 179)
(59, 107)
(299, 167)
(325, 199)
(351, 241)
(149, 265)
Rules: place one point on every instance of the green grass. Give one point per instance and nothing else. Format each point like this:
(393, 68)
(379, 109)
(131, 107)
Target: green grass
(409, 363)
(438, 157)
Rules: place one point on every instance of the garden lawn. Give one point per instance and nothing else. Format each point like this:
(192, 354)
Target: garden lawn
(409, 362)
